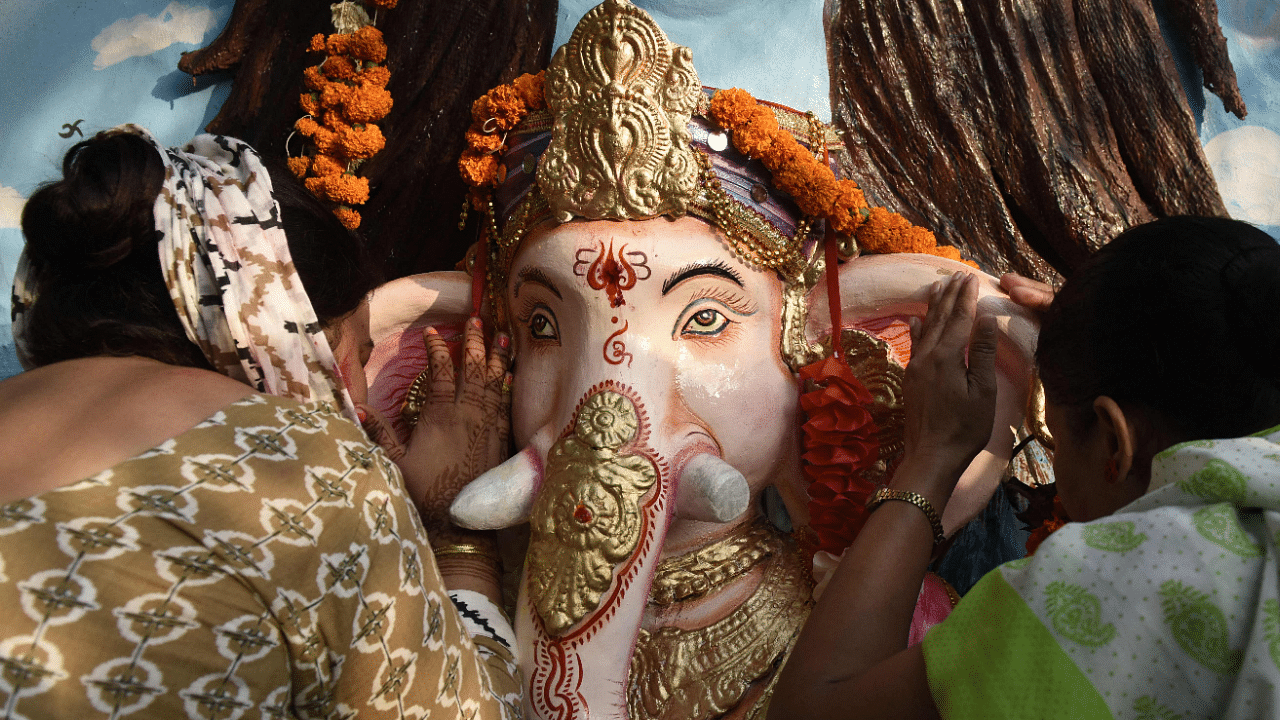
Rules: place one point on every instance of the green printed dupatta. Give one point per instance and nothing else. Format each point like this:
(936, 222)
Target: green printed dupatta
(1168, 609)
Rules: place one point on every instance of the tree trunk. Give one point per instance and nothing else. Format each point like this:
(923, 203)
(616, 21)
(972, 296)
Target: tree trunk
(1025, 132)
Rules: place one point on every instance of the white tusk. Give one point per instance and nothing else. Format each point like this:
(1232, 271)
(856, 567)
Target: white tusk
(711, 490)
(500, 497)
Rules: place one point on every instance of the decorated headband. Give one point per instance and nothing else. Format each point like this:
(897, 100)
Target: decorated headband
(620, 128)
(229, 272)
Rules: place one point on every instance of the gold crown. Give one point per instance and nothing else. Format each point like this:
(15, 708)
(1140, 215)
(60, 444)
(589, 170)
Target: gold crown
(622, 95)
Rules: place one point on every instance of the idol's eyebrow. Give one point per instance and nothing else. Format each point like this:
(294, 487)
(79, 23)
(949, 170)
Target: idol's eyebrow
(717, 268)
(536, 276)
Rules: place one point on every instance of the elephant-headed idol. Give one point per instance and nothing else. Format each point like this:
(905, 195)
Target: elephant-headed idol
(671, 263)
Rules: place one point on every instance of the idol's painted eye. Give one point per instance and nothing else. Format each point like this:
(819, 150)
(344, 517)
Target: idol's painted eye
(705, 322)
(542, 324)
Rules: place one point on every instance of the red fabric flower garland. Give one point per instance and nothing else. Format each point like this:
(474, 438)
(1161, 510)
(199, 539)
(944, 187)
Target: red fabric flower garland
(840, 442)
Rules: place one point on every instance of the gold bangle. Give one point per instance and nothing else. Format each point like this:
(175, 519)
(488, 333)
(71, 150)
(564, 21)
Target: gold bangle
(915, 499)
(446, 550)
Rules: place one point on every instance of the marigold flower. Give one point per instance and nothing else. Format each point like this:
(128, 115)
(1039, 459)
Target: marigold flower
(361, 142)
(376, 75)
(337, 44)
(326, 141)
(478, 169)
(733, 107)
(482, 142)
(307, 126)
(317, 43)
(812, 184)
(367, 44)
(946, 251)
(366, 104)
(348, 217)
(341, 189)
(334, 95)
(846, 209)
(314, 79)
(1049, 526)
(751, 142)
(299, 165)
(503, 104)
(532, 90)
(310, 103)
(388, 4)
(336, 67)
(326, 165)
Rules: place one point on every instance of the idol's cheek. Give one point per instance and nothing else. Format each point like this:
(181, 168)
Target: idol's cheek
(746, 399)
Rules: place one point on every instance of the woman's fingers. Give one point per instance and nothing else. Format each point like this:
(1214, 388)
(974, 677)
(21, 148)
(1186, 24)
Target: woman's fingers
(982, 358)
(499, 357)
(957, 324)
(380, 431)
(473, 357)
(501, 419)
(1030, 294)
(943, 300)
(440, 363)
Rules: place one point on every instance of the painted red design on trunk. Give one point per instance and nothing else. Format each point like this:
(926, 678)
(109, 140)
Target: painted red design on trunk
(557, 675)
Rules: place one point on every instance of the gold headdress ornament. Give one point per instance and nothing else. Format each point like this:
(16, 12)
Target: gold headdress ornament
(622, 96)
(633, 136)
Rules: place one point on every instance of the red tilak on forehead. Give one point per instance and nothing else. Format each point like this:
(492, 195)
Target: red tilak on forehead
(612, 272)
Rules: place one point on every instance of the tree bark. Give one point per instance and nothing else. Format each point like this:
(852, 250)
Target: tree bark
(1025, 132)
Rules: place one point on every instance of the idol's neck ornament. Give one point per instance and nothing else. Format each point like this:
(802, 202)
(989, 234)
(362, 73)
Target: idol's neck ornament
(622, 96)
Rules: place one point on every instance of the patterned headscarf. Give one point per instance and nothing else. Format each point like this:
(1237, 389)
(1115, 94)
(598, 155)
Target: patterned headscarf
(230, 273)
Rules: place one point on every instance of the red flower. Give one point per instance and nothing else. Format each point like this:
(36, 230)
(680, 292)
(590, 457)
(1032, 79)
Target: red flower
(840, 443)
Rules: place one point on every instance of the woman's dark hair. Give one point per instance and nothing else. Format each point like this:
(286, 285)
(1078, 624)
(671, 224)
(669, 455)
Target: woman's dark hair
(92, 247)
(1177, 318)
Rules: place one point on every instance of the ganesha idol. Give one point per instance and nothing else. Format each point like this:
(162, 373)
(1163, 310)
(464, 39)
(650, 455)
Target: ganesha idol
(689, 432)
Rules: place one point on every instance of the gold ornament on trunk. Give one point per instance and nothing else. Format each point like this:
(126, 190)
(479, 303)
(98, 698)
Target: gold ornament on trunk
(587, 519)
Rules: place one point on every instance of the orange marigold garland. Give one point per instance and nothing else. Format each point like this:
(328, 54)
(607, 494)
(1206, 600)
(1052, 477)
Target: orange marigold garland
(813, 186)
(346, 94)
(492, 115)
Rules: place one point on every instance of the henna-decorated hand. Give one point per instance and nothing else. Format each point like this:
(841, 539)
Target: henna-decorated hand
(950, 398)
(462, 430)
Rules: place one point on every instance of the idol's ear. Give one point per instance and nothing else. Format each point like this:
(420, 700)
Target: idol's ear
(398, 313)
(879, 293)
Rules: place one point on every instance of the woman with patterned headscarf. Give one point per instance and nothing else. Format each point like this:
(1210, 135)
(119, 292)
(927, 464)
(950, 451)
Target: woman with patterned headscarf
(194, 523)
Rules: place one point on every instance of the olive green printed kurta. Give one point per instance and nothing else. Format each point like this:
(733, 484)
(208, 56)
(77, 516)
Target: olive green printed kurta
(265, 564)
(1169, 608)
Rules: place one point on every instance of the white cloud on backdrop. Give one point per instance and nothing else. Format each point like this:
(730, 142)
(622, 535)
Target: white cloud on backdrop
(1246, 164)
(11, 202)
(143, 34)
(1259, 20)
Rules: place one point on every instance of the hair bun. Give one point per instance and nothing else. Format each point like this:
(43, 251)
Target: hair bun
(102, 208)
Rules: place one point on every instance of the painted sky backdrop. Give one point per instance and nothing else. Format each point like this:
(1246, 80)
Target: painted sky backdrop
(74, 68)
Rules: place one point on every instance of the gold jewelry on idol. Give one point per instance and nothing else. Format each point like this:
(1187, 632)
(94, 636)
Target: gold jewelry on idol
(705, 570)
